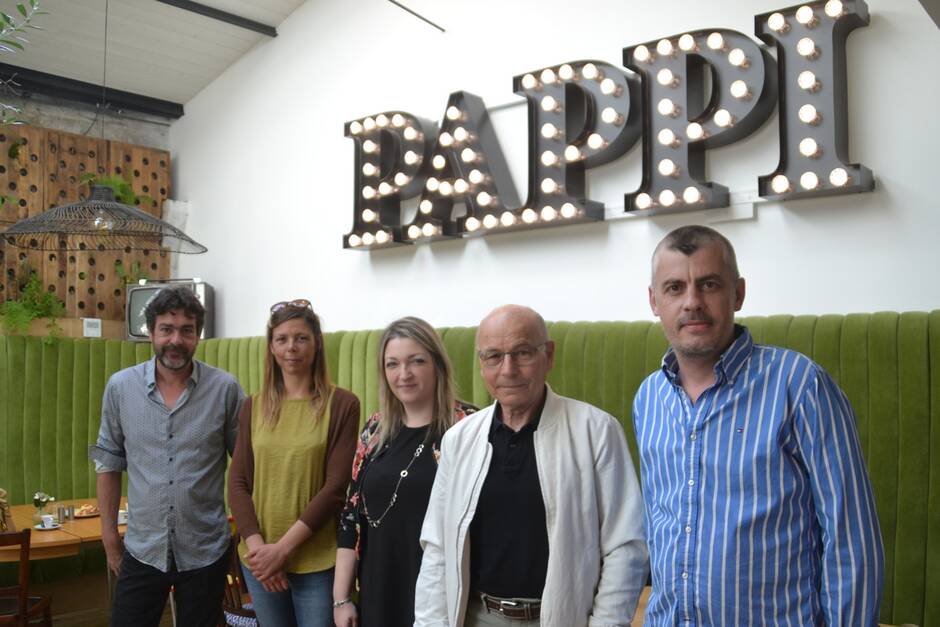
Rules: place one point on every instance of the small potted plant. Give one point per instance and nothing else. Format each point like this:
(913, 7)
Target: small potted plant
(40, 500)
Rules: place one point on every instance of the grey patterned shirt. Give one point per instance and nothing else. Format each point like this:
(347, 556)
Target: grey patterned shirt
(175, 462)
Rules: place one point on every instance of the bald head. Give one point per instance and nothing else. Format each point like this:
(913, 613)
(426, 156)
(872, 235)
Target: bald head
(514, 316)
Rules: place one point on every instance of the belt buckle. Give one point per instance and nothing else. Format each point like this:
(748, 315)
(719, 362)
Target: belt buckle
(507, 604)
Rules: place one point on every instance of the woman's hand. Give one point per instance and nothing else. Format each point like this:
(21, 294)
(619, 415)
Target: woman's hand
(346, 615)
(278, 582)
(266, 560)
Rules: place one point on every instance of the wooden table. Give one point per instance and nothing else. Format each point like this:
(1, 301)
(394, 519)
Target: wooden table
(62, 542)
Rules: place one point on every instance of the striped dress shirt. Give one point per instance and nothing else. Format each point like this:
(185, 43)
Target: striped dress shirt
(759, 510)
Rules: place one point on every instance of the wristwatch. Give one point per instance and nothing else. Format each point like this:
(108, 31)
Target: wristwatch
(337, 604)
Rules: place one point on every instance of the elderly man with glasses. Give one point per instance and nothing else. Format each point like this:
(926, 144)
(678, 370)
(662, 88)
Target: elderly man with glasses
(536, 515)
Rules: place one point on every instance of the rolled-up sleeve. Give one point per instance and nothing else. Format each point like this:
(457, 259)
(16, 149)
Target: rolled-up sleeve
(108, 452)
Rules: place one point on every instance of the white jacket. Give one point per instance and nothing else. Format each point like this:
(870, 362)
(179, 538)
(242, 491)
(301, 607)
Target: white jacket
(597, 558)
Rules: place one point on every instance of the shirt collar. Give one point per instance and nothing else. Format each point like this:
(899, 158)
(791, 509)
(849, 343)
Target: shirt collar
(150, 373)
(729, 364)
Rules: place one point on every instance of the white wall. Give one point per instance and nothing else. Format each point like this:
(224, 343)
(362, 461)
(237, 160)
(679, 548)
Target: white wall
(261, 156)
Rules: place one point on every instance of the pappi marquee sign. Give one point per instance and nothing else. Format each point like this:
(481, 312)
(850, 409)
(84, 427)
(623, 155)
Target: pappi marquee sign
(586, 113)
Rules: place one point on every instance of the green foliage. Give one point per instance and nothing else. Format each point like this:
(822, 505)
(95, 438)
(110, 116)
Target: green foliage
(135, 274)
(12, 29)
(34, 302)
(123, 192)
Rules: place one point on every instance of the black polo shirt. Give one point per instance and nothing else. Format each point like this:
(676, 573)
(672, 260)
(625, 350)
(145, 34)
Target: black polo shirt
(508, 536)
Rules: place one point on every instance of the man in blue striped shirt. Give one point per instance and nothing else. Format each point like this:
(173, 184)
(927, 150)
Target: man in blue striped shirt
(759, 510)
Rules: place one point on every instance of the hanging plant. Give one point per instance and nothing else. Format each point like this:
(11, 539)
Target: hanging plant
(123, 191)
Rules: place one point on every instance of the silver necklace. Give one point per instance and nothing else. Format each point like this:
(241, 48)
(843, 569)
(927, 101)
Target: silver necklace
(401, 477)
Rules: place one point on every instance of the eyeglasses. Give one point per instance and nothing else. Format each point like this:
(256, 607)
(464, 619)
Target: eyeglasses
(299, 303)
(522, 356)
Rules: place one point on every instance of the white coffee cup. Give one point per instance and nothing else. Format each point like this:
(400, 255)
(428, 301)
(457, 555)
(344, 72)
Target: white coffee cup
(48, 521)
(122, 517)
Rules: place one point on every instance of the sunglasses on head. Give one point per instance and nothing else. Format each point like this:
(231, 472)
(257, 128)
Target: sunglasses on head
(297, 303)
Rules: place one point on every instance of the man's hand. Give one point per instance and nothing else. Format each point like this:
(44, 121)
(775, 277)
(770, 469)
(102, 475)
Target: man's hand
(114, 550)
(346, 616)
(266, 561)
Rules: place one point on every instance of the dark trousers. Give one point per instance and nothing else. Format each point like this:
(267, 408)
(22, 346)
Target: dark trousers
(141, 593)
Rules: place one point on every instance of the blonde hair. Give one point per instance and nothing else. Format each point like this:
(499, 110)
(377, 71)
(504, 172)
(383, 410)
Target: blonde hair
(272, 387)
(392, 410)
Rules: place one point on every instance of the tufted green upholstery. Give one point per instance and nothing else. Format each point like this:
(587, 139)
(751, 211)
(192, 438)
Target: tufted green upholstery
(888, 364)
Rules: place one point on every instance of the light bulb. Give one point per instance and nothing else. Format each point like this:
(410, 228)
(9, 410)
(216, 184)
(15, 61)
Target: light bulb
(411, 157)
(385, 188)
(568, 210)
(667, 107)
(549, 158)
(667, 167)
(368, 239)
(809, 180)
(369, 146)
(438, 162)
(476, 177)
(776, 22)
(547, 75)
(432, 184)
(425, 206)
(549, 130)
(507, 219)
(739, 89)
(687, 43)
(715, 41)
(368, 169)
(428, 229)
(461, 134)
(589, 71)
(723, 118)
(641, 53)
(549, 186)
(549, 103)
(445, 188)
(490, 221)
(610, 116)
(834, 9)
(446, 139)
(807, 80)
(691, 195)
(355, 128)
(354, 240)
(608, 86)
(529, 216)
(665, 77)
(472, 224)
(398, 120)
(695, 131)
(368, 215)
(529, 82)
(381, 237)
(666, 137)
(737, 58)
(381, 120)
(664, 47)
(401, 179)
(805, 15)
(808, 114)
(453, 113)
(642, 201)
(809, 147)
(595, 141)
(468, 155)
(566, 73)
(410, 133)
(548, 213)
(368, 124)
(667, 198)
(461, 186)
(368, 192)
(839, 177)
(806, 47)
(484, 199)
(780, 184)
(572, 153)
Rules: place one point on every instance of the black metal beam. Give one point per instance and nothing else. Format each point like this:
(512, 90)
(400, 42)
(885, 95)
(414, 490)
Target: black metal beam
(222, 16)
(33, 81)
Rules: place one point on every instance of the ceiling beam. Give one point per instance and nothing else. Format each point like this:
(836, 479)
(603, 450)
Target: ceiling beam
(222, 16)
(32, 81)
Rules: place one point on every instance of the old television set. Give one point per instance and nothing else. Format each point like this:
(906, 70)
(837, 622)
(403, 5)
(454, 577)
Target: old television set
(138, 296)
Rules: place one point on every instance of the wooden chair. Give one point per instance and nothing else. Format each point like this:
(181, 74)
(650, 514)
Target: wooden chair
(16, 606)
(236, 604)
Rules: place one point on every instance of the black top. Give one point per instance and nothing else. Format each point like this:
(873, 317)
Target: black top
(392, 547)
(508, 536)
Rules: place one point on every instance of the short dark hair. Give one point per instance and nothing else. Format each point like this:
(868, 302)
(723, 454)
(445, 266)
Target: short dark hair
(179, 298)
(688, 239)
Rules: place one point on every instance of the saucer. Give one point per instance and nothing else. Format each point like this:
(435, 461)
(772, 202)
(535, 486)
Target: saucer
(52, 528)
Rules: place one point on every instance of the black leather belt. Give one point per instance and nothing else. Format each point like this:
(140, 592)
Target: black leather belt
(516, 609)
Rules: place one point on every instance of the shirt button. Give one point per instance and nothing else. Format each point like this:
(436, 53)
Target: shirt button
(174, 531)
(685, 575)
(687, 528)
(171, 459)
(171, 482)
(691, 482)
(171, 436)
(171, 507)
(691, 437)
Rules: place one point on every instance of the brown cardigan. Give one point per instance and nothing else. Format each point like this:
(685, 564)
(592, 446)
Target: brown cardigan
(326, 504)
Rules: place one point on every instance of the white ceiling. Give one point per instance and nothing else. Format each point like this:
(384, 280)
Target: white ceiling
(154, 49)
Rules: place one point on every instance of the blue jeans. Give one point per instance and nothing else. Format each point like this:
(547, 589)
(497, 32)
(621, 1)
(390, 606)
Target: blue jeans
(308, 602)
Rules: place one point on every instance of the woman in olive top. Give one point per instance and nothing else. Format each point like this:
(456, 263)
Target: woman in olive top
(289, 473)
(392, 474)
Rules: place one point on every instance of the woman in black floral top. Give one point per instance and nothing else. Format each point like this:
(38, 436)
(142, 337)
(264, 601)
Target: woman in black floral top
(392, 475)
